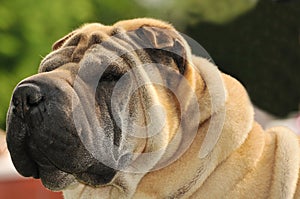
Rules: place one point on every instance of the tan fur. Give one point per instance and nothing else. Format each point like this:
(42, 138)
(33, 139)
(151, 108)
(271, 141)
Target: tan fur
(246, 162)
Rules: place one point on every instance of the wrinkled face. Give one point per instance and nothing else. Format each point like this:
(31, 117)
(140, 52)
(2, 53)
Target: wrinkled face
(86, 115)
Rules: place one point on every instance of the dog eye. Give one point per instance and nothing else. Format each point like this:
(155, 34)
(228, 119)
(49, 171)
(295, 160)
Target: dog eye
(112, 73)
(49, 68)
(110, 77)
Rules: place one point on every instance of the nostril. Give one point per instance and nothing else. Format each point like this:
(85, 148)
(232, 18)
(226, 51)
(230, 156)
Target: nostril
(25, 96)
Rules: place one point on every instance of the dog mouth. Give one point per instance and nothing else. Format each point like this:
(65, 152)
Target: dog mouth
(57, 170)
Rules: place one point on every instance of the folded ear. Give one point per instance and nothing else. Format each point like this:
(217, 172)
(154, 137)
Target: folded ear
(168, 40)
(61, 41)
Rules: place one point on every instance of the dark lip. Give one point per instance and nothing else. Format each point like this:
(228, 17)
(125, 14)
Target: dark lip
(16, 143)
(56, 180)
(88, 177)
(95, 180)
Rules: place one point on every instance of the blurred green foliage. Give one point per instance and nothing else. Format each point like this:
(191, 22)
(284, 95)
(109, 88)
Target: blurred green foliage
(29, 28)
(191, 12)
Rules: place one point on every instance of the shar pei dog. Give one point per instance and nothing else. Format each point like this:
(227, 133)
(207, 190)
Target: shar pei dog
(128, 111)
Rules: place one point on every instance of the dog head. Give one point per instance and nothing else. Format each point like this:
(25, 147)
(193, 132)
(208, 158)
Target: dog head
(91, 110)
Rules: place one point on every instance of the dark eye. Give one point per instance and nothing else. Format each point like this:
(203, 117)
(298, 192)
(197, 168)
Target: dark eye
(112, 73)
(48, 69)
(110, 77)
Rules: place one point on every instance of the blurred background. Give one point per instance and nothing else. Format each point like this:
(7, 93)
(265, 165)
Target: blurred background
(256, 41)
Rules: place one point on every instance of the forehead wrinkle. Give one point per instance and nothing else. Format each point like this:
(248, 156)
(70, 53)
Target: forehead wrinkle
(134, 24)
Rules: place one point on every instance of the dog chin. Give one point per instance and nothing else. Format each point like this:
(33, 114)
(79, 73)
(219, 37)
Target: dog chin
(58, 180)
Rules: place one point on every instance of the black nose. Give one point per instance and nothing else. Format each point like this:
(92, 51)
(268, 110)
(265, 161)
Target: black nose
(25, 97)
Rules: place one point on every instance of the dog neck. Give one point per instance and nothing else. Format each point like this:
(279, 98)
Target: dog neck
(218, 143)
